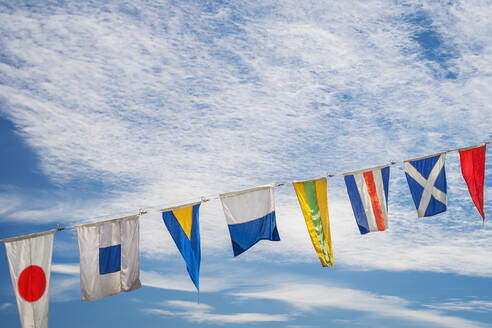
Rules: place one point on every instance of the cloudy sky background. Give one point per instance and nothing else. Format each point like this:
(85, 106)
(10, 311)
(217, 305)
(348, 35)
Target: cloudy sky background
(110, 107)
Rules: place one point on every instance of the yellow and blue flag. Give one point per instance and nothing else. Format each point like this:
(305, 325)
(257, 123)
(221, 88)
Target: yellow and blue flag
(182, 224)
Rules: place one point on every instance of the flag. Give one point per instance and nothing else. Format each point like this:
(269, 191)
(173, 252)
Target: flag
(182, 224)
(109, 257)
(426, 178)
(313, 200)
(473, 169)
(368, 193)
(30, 269)
(250, 215)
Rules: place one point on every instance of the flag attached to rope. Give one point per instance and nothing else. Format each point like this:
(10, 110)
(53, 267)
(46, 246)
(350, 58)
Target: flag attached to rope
(313, 200)
(473, 169)
(182, 224)
(426, 178)
(250, 215)
(109, 257)
(368, 193)
(30, 269)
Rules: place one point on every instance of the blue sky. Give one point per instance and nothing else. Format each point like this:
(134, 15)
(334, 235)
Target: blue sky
(109, 107)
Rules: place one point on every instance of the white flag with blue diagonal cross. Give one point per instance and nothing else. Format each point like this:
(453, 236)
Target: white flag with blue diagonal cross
(109, 257)
(426, 178)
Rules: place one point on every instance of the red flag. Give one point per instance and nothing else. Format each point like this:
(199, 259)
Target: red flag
(473, 169)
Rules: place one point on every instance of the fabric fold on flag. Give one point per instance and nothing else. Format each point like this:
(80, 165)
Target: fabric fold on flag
(250, 215)
(426, 177)
(109, 257)
(473, 170)
(368, 193)
(313, 199)
(183, 226)
(29, 260)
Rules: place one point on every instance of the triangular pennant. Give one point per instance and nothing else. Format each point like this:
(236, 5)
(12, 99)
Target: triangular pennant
(183, 226)
(473, 170)
(30, 269)
(314, 205)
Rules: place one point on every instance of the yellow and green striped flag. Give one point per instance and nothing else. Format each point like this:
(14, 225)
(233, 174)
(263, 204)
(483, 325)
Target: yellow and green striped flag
(314, 204)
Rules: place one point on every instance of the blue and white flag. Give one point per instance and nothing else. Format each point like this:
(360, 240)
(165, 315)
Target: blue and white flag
(427, 181)
(109, 257)
(250, 215)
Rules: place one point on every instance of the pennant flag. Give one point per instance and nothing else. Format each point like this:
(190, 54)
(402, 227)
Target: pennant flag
(182, 224)
(30, 269)
(426, 178)
(109, 257)
(250, 215)
(313, 199)
(473, 169)
(368, 193)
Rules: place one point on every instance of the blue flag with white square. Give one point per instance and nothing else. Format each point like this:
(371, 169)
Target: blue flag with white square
(109, 257)
(427, 181)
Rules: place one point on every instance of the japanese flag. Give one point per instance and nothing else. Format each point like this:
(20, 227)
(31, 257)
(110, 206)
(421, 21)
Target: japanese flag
(30, 267)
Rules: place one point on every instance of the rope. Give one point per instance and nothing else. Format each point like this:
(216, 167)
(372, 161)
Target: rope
(204, 199)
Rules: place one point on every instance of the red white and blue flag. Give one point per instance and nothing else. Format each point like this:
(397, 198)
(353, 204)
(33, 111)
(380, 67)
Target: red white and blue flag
(368, 193)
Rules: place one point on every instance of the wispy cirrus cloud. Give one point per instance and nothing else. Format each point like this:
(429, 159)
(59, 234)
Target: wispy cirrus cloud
(203, 313)
(64, 289)
(312, 297)
(308, 298)
(181, 282)
(156, 110)
(468, 305)
(65, 282)
(66, 268)
(5, 306)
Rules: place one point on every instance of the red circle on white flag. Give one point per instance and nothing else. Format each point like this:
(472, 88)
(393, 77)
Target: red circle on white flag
(32, 283)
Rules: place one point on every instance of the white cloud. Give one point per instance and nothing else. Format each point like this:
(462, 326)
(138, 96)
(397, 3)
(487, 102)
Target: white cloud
(5, 306)
(65, 283)
(312, 297)
(473, 305)
(188, 305)
(64, 289)
(8, 202)
(214, 277)
(66, 268)
(181, 282)
(159, 111)
(308, 298)
(202, 313)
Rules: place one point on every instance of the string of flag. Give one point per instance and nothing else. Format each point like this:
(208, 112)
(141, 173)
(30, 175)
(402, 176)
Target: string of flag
(109, 250)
